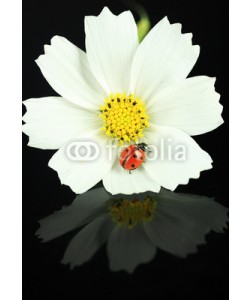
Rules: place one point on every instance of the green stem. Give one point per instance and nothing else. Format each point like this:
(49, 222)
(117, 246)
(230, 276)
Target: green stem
(144, 24)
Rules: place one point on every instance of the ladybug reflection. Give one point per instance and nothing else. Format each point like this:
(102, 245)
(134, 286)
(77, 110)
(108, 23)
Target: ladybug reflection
(133, 156)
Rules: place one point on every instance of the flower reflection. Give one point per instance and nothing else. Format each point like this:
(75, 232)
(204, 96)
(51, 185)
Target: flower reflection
(133, 226)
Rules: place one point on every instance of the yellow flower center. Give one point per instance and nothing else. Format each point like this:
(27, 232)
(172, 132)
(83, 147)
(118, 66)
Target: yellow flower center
(131, 212)
(124, 117)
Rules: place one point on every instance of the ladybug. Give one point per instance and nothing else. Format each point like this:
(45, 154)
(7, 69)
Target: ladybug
(133, 156)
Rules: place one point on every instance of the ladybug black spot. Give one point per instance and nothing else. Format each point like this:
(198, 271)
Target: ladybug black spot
(132, 165)
(135, 156)
(141, 158)
(109, 105)
(126, 150)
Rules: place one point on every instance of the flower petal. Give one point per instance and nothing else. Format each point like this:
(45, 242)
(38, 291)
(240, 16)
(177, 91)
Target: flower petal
(111, 42)
(85, 208)
(182, 221)
(191, 105)
(119, 180)
(177, 157)
(52, 121)
(167, 234)
(82, 175)
(203, 212)
(164, 57)
(85, 244)
(127, 248)
(66, 69)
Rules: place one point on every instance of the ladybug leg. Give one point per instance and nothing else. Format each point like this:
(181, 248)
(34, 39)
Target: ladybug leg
(130, 172)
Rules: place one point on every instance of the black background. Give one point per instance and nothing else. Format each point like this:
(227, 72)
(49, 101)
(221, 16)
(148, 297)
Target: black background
(200, 276)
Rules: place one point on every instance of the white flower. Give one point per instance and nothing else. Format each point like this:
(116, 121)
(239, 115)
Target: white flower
(133, 226)
(143, 94)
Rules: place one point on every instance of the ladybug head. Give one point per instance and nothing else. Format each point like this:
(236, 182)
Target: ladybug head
(144, 147)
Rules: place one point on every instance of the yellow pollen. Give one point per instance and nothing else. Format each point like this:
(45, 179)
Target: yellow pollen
(131, 212)
(124, 117)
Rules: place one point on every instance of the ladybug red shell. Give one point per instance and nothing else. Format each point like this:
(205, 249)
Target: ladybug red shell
(133, 156)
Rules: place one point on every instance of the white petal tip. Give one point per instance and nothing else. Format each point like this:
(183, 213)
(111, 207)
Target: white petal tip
(197, 49)
(38, 60)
